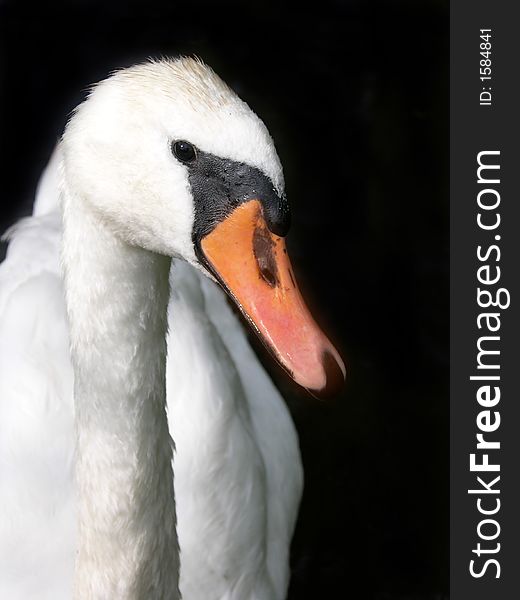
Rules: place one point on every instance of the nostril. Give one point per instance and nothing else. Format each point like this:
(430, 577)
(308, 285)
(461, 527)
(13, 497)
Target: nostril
(264, 255)
(268, 275)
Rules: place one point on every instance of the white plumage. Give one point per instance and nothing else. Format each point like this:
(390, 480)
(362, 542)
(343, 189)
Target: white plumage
(236, 447)
(238, 474)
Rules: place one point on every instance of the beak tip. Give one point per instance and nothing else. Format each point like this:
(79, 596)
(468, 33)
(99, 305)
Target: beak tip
(335, 377)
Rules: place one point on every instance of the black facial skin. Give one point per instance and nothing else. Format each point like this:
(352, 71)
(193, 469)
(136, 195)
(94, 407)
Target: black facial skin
(219, 185)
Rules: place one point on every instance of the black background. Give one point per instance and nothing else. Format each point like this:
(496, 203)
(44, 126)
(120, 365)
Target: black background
(355, 94)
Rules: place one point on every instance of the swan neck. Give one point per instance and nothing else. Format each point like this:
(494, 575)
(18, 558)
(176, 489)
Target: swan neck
(117, 298)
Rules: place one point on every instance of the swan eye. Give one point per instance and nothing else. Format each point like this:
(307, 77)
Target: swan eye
(184, 151)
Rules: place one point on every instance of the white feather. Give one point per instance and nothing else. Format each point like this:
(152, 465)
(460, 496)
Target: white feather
(238, 475)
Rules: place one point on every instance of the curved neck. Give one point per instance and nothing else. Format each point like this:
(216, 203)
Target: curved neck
(117, 298)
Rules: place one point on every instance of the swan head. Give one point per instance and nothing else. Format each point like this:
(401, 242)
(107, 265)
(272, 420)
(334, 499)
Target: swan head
(169, 158)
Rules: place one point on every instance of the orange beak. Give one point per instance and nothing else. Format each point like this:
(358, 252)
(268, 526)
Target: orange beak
(252, 265)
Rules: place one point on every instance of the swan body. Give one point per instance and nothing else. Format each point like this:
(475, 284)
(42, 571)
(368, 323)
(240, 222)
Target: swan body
(214, 373)
(86, 475)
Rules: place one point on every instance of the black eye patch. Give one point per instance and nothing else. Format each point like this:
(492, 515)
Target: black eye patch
(219, 185)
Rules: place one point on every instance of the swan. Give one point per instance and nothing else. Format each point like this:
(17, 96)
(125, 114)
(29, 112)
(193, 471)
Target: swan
(164, 190)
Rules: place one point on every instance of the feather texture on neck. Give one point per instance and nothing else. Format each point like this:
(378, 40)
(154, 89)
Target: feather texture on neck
(117, 298)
